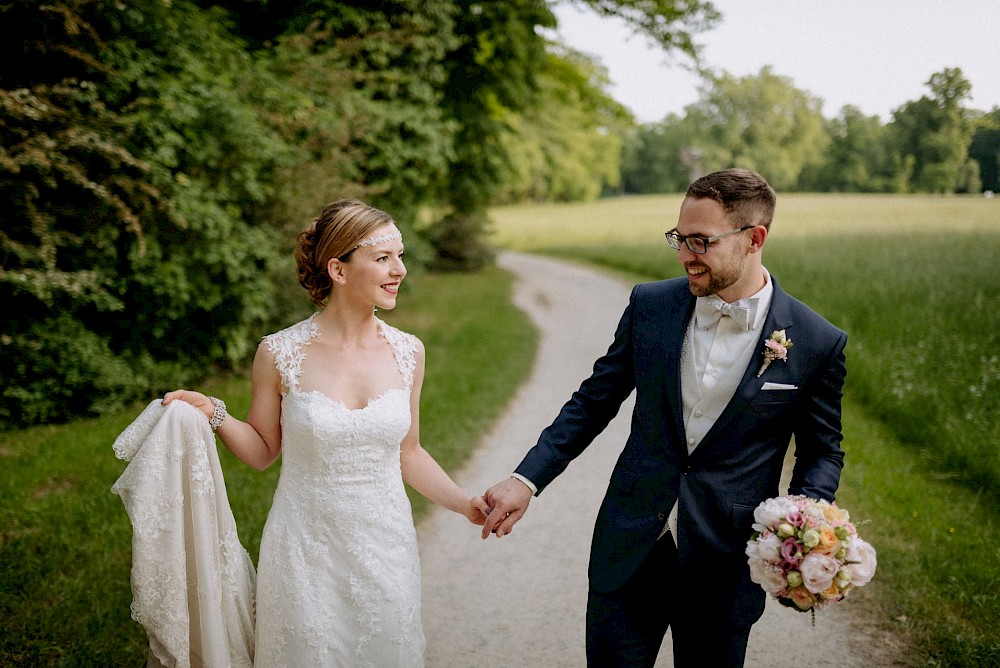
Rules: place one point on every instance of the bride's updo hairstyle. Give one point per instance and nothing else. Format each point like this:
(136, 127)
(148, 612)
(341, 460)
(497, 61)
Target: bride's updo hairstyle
(335, 233)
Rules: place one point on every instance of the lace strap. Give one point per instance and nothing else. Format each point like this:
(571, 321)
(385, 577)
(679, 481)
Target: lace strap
(287, 345)
(404, 348)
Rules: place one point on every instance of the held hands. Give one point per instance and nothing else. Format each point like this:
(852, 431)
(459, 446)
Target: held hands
(509, 501)
(477, 510)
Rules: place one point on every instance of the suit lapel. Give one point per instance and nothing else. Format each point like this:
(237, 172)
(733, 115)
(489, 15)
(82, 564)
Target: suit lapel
(779, 316)
(674, 331)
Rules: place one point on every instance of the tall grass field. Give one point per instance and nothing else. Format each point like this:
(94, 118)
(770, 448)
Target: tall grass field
(65, 540)
(915, 281)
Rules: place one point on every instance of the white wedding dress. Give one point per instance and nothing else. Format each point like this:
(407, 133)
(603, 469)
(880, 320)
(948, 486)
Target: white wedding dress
(338, 579)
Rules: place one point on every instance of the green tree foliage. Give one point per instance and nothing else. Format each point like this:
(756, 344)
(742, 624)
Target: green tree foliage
(493, 79)
(572, 156)
(381, 66)
(365, 82)
(491, 75)
(935, 132)
(670, 24)
(129, 170)
(858, 158)
(72, 194)
(985, 149)
(661, 157)
(761, 122)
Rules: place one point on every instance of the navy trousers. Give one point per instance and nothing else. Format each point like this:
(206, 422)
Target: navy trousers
(626, 627)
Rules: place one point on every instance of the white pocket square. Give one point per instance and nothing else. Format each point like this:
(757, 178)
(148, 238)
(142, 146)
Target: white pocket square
(779, 386)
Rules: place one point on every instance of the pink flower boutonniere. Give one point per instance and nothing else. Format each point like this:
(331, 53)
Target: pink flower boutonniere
(775, 348)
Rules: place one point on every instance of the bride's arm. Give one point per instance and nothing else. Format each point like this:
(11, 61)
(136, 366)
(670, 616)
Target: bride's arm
(422, 472)
(256, 442)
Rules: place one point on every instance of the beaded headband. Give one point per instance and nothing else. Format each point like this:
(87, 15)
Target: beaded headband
(372, 241)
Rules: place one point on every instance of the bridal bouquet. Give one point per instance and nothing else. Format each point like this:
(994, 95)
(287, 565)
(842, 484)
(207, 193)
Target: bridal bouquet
(806, 553)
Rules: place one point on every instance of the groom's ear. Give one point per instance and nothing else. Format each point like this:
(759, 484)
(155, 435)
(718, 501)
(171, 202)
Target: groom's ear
(758, 235)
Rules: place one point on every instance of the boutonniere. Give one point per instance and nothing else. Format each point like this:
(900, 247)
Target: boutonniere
(775, 348)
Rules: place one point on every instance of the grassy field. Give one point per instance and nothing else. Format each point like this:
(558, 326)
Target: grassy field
(913, 280)
(65, 540)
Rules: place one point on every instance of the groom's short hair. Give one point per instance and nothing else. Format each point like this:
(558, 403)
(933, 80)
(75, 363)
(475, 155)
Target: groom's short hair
(744, 195)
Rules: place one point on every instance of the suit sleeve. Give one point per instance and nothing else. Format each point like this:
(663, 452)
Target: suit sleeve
(818, 455)
(588, 411)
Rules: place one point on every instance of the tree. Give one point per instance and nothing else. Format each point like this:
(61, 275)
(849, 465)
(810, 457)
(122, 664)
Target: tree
(566, 147)
(493, 77)
(857, 159)
(935, 132)
(985, 149)
(661, 157)
(670, 24)
(761, 122)
(130, 168)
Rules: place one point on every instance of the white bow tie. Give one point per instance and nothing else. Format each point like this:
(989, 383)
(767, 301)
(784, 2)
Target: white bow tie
(708, 311)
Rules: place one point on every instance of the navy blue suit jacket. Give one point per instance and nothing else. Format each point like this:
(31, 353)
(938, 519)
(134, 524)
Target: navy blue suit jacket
(735, 467)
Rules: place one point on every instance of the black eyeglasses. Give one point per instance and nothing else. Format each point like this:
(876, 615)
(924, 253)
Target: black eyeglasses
(698, 245)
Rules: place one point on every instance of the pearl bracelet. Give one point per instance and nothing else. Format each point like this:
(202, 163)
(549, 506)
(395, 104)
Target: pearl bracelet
(219, 415)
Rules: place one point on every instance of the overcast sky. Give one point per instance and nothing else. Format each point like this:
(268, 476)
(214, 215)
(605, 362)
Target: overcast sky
(874, 54)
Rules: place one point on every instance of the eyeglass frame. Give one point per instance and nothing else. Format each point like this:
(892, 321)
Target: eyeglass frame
(674, 238)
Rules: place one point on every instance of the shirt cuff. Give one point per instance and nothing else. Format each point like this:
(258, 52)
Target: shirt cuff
(531, 485)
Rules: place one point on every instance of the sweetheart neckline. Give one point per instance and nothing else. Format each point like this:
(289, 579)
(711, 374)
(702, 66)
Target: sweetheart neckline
(342, 404)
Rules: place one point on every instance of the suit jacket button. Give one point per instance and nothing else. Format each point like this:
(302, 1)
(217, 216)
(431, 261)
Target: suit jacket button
(661, 516)
(687, 469)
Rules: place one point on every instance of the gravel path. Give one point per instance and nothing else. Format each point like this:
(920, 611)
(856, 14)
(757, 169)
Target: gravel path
(520, 600)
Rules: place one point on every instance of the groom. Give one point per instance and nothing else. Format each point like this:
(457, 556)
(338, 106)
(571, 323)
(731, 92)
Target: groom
(713, 418)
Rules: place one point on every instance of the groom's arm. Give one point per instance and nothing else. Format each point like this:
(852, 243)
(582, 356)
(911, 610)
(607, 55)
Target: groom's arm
(588, 411)
(818, 455)
(581, 419)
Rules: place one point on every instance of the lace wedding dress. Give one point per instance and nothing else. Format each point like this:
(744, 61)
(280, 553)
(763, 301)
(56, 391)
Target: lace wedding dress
(338, 579)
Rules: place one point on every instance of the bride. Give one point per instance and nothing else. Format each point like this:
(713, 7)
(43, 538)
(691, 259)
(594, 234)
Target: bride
(338, 396)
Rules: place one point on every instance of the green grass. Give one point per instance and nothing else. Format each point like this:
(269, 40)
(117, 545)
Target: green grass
(65, 539)
(913, 280)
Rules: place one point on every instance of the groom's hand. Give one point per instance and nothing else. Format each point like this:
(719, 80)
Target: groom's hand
(509, 500)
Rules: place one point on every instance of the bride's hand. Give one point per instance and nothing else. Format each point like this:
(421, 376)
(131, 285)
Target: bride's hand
(477, 510)
(196, 399)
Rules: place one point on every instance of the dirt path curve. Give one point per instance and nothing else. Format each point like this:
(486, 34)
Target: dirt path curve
(520, 600)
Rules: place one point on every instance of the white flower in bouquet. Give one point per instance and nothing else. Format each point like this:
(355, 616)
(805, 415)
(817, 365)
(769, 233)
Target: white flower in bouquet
(818, 571)
(769, 576)
(861, 556)
(771, 512)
